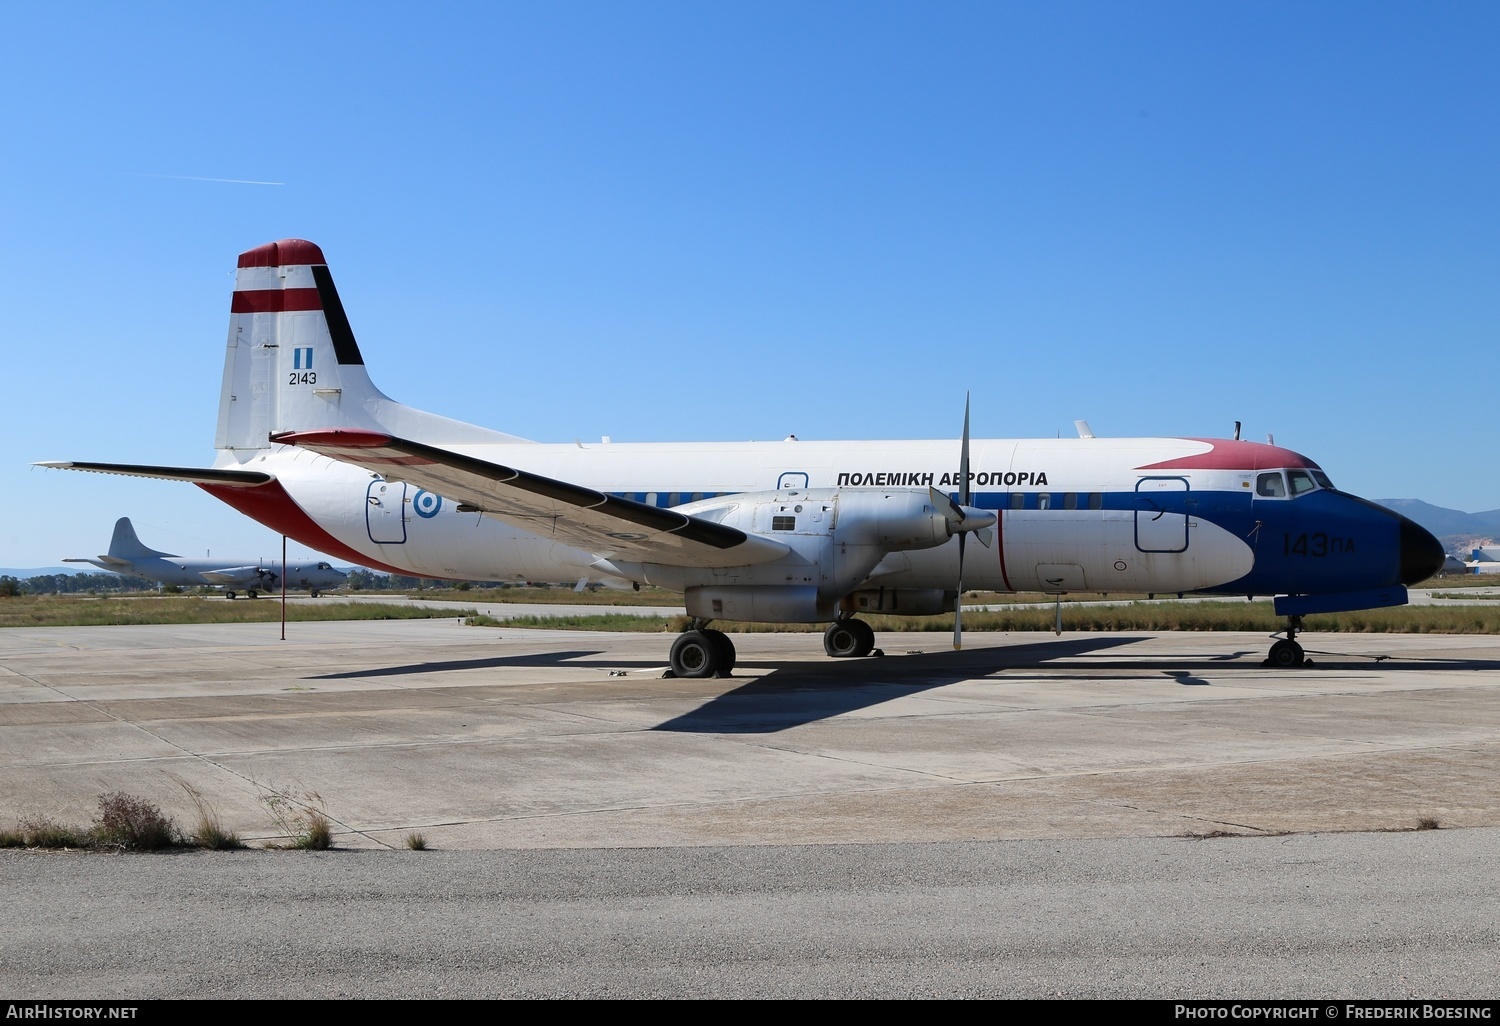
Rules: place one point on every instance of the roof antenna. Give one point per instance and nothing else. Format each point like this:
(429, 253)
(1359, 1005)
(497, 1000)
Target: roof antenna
(1236, 431)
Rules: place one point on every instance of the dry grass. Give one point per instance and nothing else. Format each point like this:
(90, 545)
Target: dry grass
(1257, 617)
(300, 816)
(89, 611)
(208, 832)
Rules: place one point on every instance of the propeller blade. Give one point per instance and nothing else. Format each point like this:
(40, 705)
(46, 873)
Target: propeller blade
(963, 459)
(963, 500)
(958, 601)
(945, 505)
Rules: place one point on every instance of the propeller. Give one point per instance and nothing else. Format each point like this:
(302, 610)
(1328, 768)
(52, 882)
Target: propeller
(964, 520)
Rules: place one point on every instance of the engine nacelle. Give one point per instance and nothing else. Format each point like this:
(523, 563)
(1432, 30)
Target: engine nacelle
(893, 520)
(834, 536)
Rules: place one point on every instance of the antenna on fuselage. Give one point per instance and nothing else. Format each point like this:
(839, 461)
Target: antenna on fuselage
(1270, 438)
(1236, 431)
(1084, 431)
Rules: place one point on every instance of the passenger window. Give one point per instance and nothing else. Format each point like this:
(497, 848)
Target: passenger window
(1070, 500)
(1044, 501)
(1017, 500)
(1302, 482)
(1096, 500)
(1270, 486)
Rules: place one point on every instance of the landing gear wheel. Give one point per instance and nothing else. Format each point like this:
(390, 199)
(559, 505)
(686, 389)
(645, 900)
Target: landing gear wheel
(315, 593)
(866, 637)
(229, 595)
(252, 594)
(694, 654)
(1285, 655)
(842, 638)
(724, 654)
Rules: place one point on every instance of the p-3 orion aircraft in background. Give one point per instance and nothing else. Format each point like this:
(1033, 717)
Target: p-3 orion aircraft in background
(779, 532)
(128, 556)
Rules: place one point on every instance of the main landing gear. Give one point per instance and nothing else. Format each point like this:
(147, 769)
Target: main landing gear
(1286, 654)
(702, 652)
(849, 638)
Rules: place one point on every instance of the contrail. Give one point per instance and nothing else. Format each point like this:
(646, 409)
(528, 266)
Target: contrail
(196, 178)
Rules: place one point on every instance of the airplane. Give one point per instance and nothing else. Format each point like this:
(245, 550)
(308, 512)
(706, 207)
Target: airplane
(128, 556)
(780, 532)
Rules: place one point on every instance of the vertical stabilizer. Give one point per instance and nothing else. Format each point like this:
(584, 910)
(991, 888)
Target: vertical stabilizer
(292, 363)
(125, 545)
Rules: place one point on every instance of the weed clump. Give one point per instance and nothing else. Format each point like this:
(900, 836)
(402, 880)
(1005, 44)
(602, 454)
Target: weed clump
(300, 816)
(1427, 823)
(43, 832)
(208, 832)
(126, 821)
(416, 841)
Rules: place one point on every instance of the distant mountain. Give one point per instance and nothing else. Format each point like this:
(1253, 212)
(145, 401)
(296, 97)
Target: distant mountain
(1457, 530)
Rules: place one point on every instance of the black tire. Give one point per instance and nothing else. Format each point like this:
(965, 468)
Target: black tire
(229, 595)
(694, 655)
(866, 637)
(315, 593)
(726, 653)
(252, 594)
(841, 640)
(1285, 655)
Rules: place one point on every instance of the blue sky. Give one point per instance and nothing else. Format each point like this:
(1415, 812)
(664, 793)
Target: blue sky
(664, 221)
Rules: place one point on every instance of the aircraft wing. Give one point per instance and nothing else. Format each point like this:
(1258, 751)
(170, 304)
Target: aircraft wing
(232, 575)
(197, 475)
(594, 521)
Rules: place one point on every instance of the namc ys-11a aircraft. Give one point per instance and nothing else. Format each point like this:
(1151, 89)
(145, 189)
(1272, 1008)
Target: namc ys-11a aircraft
(778, 532)
(129, 556)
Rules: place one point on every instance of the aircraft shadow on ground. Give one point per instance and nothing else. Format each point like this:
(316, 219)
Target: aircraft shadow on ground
(539, 659)
(794, 694)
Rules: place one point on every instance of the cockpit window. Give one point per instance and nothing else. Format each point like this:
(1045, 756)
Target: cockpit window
(1301, 482)
(1270, 485)
(1322, 480)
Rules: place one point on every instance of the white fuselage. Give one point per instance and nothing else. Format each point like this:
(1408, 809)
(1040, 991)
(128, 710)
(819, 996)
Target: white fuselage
(1055, 544)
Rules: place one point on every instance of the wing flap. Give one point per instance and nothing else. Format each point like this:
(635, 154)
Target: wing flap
(597, 522)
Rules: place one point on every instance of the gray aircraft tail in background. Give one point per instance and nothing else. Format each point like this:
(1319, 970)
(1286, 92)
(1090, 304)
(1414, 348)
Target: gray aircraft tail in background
(129, 556)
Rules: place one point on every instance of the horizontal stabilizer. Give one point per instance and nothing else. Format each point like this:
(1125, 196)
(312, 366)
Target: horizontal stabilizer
(195, 475)
(597, 522)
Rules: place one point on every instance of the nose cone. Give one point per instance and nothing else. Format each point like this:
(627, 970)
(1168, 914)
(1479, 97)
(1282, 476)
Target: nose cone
(1421, 554)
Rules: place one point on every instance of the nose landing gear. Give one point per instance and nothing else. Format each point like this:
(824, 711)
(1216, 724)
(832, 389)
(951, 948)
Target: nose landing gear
(1286, 654)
